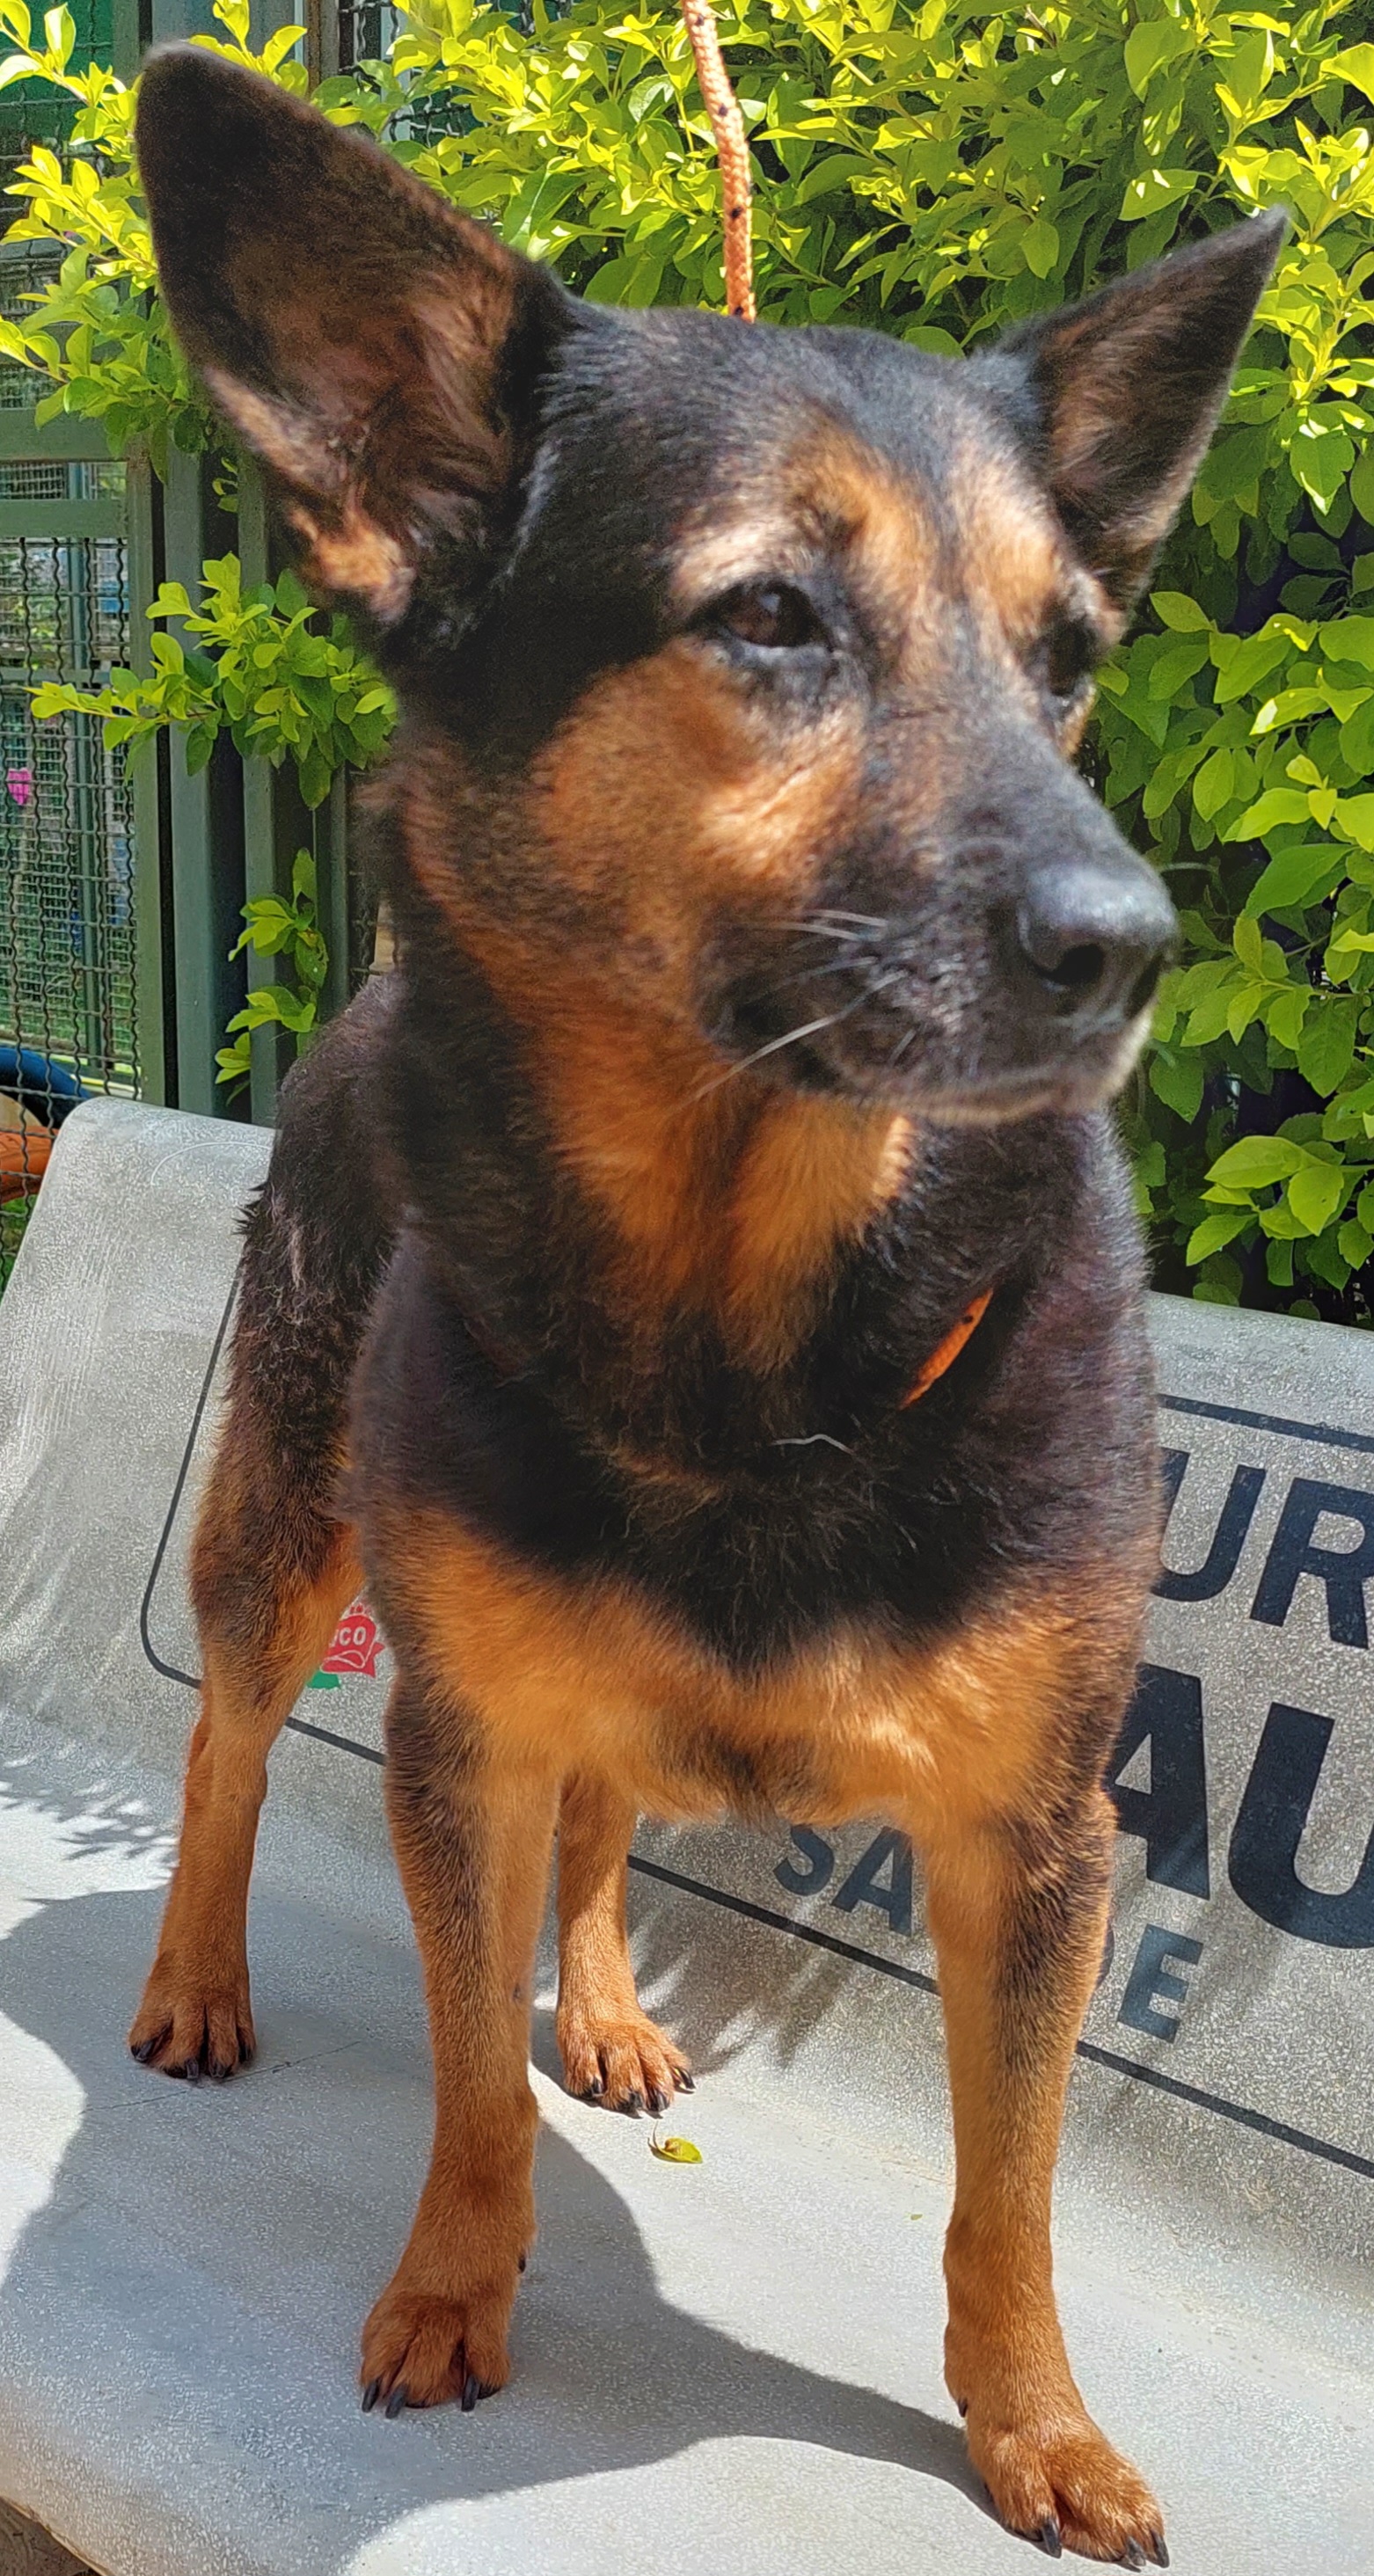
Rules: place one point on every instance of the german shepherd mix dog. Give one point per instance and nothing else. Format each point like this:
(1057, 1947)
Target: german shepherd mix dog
(765, 968)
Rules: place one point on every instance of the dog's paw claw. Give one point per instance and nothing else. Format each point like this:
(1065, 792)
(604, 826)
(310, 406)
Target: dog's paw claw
(623, 2063)
(1066, 2488)
(189, 2025)
(421, 2350)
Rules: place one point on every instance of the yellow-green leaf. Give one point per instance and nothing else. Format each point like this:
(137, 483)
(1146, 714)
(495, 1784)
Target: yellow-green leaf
(1315, 1194)
(1355, 65)
(674, 2151)
(1153, 191)
(1175, 609)
(1356, 816)
(1040, 247)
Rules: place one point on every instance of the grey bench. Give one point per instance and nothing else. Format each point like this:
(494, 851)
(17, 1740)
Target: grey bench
(736, 2363)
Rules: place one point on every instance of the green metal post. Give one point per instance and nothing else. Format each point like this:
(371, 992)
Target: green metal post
(206, 896)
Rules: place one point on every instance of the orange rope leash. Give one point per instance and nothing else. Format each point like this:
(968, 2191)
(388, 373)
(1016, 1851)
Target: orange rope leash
(732, 151)
(946, 1352)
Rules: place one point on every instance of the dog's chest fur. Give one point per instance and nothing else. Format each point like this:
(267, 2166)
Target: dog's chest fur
(871, 1609)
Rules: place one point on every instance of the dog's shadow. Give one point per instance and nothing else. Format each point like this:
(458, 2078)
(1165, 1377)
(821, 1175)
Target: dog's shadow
(283, 2200)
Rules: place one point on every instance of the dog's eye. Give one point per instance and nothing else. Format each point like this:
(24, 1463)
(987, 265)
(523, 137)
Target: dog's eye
(768, 614)
(1066, 656)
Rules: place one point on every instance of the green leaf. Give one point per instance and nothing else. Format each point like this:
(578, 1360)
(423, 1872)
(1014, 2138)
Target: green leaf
(1349, 639)
(1326, 1048)
(1216, 1230)
(1176, 665)
(1285, 1014)
(60, 30)
(1214, 783)
(1210, 1016)
(1321, 462)
(1256, 1162)
(1355, 65)
(1355, 815)
(1152, 45)
(1040, 247)
(1153, 191)
(1177, 1080)
(1297, 876)
(1242, 665)
(1276, 805)
(1176, 609)
(1315, 1193)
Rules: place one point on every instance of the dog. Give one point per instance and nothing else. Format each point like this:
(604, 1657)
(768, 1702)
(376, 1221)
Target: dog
(698, 1292)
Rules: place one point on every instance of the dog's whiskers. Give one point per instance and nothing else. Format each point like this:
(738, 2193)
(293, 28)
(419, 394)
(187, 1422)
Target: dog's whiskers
(900, 1048)
(811, 974)
(834, 925)
(810, 1029)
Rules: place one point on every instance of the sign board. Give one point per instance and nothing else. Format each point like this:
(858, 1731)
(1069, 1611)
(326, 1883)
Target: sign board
(1239, 1983)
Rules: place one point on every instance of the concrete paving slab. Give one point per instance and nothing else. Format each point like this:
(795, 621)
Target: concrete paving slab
(741, 2358)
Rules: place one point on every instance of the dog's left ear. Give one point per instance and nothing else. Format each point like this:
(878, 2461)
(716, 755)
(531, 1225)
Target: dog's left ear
(379, 351)
(1118, 396)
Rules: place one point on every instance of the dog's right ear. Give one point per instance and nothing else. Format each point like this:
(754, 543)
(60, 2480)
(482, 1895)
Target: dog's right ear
(379, 351)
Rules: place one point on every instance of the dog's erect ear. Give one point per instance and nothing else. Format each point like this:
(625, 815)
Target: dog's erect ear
(376, 349)
(1119, 395)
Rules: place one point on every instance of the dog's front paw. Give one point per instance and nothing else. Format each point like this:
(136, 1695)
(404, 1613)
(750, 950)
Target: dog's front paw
(623, 2060)
(1061, 2483)
(420, 2349)
(194, 2020)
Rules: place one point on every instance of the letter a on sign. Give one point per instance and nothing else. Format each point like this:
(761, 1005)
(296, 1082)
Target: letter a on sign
(1171, 1815)
(1273, 1816)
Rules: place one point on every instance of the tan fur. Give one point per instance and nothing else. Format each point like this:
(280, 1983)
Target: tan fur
(473, 1852)
(196, 2000)
(712, 1202)
(607, 2042)
(1030, 2435)
(581, 1675)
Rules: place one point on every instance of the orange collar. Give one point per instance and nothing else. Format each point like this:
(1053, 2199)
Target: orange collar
(946, 1352)
(941, 1358)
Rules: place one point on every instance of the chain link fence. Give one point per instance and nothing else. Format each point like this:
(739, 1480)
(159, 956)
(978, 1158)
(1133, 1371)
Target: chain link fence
(68, 997)
(34, 112)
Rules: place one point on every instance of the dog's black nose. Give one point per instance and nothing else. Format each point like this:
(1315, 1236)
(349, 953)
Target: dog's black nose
(1096, 937)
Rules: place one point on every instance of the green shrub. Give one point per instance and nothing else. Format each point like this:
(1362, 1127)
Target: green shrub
(274, 928)
(937, 171)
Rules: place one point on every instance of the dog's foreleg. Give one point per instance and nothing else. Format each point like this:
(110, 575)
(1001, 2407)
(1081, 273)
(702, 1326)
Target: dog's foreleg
(1018, 1915)
(266, 1609)
(473, 1836)
(611, 2050)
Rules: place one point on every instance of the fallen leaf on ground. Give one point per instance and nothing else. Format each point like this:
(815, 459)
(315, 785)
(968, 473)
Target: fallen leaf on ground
(674, 2151)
